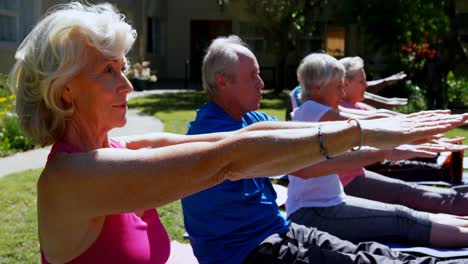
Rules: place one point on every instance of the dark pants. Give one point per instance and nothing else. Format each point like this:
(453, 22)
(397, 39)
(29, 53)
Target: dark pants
(374, 186)
(309, 245)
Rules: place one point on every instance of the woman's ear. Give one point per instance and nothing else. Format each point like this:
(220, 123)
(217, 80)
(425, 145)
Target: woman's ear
(346, 83)
(67, 96)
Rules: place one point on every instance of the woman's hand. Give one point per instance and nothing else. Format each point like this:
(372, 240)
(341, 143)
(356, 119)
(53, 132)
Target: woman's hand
(427, 150)
(391, 132)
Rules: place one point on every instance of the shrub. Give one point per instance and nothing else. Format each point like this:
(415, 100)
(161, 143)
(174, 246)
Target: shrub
(416, 99)
(11, 138)
(457, 90)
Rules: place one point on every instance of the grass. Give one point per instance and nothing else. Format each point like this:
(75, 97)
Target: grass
(176, 111)
(459, 132)
(18, 228)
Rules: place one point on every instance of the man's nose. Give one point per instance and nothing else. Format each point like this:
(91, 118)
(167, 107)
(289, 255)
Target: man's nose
(260, 83)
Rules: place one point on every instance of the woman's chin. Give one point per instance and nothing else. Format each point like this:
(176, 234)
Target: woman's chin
(121, 123)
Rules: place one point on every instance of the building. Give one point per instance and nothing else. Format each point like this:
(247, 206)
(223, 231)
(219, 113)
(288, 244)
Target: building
(173, 35)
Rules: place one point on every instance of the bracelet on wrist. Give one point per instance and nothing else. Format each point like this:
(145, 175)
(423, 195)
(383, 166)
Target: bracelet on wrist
(323, 150)
(361, 134)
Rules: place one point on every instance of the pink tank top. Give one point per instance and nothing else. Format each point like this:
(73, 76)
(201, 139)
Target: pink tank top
(348, 176)
(124, 238)
(358, 105)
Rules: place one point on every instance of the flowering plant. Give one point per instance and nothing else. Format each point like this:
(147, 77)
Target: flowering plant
(11, 138)
(141, 71)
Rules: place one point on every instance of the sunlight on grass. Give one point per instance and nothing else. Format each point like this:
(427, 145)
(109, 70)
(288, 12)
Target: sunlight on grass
(175, 111)
(18, 228)
(459, 132)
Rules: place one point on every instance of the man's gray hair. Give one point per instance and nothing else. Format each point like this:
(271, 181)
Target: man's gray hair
(318, 69)
(221, 57)
(352, 66)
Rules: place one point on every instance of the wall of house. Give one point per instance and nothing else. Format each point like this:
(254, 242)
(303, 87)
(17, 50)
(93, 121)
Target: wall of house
(28, 12)
(8, 59)
(33, 10)
(179, 15)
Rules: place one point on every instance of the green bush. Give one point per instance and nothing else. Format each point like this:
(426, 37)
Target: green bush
(416, 99)
(11, 138)
(457, 90)
(4, 92)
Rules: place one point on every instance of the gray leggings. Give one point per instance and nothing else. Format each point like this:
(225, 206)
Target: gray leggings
(301, 245)
(377, 187)
(359, 220)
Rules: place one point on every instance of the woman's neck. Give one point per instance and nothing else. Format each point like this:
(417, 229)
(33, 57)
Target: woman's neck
(85, 137)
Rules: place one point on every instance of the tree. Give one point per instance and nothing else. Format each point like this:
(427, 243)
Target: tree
(419, 36)
(280, 21)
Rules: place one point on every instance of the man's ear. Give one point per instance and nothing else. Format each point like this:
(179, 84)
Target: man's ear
(220, 80)
(315, 89)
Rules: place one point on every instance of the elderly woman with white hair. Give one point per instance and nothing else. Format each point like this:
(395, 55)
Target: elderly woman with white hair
(355, 88)
(321, 202)
(95, 194)
(375, 186)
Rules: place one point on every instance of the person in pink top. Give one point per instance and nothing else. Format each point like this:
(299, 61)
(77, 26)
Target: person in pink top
(378, 187)
(356, 86)
(96, 196)
(323, 203)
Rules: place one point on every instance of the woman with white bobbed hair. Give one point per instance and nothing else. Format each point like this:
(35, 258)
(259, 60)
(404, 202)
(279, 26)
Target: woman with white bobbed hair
(321, 202)
(356, 85)
(95, 195)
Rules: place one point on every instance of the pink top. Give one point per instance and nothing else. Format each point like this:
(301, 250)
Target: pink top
(348, 176)
(124, 238)
(358, 105)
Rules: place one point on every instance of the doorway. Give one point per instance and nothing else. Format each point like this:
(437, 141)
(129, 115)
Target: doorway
(202, 32)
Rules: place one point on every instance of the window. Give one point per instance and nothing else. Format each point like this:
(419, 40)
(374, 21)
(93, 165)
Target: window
(9, 25)
(335, 43)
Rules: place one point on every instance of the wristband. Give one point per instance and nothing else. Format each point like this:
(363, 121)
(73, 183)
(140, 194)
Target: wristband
(361, 134)
(323, 150)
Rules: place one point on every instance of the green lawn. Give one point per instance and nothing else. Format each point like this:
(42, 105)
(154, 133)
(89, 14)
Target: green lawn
(459, 132)
(176, 111)
(18, 222)
(18, 228)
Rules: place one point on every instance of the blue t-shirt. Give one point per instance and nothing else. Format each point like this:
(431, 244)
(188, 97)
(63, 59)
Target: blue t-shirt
(226, 222)
(296, 92)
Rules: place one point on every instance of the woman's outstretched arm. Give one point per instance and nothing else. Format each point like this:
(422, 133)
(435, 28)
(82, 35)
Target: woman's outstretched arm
(108, 181)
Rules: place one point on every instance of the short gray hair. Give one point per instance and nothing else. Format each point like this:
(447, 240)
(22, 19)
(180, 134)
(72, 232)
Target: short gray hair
(53, 53)
(221, 57)
(352, 66)
(318, 69)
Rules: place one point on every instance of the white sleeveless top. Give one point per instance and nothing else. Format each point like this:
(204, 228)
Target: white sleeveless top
(321, 191)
